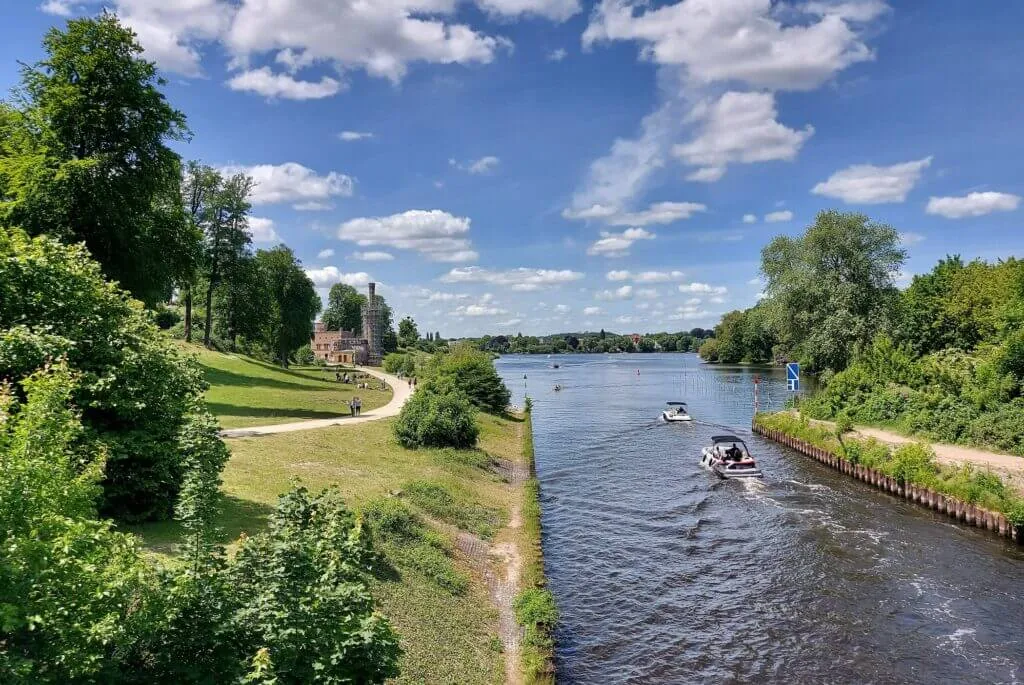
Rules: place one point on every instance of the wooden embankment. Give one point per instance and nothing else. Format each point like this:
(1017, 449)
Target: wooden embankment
(963, 512)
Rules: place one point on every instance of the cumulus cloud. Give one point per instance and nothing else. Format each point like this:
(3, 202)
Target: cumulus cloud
(557, 55)
(737, 40)
(562, 308)
(556, 10)
(617, 275)
(645, 276)
(325, 253)
(509, 323)
(522, 279)
(749, 219)
(329, 275)
(373, 256)
(350, 136)
(737, 128)
(624, 319)
(908, 238)
(703, 288)
(437, 235)
(477, 310)
(869, 184)
(657, 213)
(262, 230)
(292, 182)
(265, 82)
(591, 311)
(688, 312)
(484, 165)
(777, 217)
(618, 244)
(623, 293)
(647, 293)
(972, 204)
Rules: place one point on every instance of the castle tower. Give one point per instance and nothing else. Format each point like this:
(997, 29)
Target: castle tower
(372, 327)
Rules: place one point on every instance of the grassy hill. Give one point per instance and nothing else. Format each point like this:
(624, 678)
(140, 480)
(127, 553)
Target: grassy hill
(248, 392)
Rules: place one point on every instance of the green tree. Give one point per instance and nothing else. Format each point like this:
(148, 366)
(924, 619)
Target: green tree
(437, 415)
(471, 372)
(344, 309)
(199, 185)
(241, 304)
(408, 334)
(227, 237)
(831, 290)
(292, 301)
(86, 157)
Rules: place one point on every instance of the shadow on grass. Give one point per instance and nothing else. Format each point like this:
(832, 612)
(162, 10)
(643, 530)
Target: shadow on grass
(219, 377)
(237, 516)
(221, 409)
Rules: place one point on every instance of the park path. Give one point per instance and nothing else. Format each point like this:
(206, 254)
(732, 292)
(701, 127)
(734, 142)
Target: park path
(1006, 465)
(400, 393)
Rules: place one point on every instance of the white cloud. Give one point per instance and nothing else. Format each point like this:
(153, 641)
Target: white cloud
(262, 230)
(623, 293)
(292, 182)
(521, 279)
(658, 213)
(438, 235)
(647, 293)
(737, 128)
(972, 204)
(908, 238)
(329, 275)
(617, 275)
(738, 40)
(618, 244)
(703, 288)
(562, 308)
(557, 55)
(382, 38)
(265, 82)
(693, 301)
(624, 319)
(657, 276)
(592, 311)
(484, 165)
(373, 256)
(777, 217)
(60, 8)
(556, 10)
(749, 219)
(509, 323)
(477, 310)
(350, 136)
(312, 206)
(869, 184)
(325, 253)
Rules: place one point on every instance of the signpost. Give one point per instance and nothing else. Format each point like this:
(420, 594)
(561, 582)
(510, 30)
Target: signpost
(793, 377)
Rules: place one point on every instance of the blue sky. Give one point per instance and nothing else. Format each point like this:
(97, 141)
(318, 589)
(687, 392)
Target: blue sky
(548, 165)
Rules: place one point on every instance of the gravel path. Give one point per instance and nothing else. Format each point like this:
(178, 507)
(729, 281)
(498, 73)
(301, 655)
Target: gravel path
(400, 389)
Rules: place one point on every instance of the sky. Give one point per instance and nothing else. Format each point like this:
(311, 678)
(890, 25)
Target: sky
(542, 166)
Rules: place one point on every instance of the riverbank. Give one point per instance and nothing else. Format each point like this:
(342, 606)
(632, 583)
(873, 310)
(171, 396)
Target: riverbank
(971, 495)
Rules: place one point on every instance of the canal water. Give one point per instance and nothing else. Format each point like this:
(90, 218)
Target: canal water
(664, 574)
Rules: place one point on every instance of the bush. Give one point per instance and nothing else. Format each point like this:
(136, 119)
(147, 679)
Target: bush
(304, 355)
(435, 418)
(709, 350)
(472, 373)
(166, 318)
(135, 388)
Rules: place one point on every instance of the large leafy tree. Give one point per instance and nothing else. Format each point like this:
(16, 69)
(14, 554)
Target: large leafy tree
(85, 157)
(199, 187)
(241, 306)
(292, 302)
(831, 290)
(227, 237)
(408, 334)
(344, 309)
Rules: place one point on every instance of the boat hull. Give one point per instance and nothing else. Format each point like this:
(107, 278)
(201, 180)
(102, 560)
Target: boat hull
(675, 418)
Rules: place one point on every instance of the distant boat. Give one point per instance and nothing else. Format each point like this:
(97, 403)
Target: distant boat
(676, 412)
(732, 462)
(557, 388)
(554, 366)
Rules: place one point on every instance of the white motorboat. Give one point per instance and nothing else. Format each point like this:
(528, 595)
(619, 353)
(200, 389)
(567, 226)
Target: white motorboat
(676, 412)
(729, 457)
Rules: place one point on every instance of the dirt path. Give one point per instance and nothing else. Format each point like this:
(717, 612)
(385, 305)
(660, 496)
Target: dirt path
(1007, 465)
(401, 392)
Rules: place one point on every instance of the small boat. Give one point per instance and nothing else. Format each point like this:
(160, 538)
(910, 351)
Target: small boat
(676, 412)
(729, 457)
(557, 388)
(554, 366)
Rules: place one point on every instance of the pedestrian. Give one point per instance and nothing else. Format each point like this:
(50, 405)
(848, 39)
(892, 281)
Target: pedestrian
(352, 407)
(359, 406)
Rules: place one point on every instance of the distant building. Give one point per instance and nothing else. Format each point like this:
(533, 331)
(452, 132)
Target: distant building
(344, 347)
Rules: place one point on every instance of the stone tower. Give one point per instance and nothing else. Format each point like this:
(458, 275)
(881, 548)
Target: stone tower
(372, 329)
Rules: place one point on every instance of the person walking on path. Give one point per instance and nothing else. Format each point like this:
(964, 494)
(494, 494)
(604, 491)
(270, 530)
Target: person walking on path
(352, 407)
(359, 405)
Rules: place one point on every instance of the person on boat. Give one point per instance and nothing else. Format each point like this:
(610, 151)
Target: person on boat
(734, 453)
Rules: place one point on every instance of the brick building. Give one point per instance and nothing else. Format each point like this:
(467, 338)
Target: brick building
(338, 347)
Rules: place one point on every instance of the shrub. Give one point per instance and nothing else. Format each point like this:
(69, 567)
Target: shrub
(166, 318)
(304, 355)
(436, 418)
(135, 388)
(472, 373)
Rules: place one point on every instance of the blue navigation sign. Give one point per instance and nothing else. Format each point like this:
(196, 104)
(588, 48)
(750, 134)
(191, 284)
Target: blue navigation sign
(793, 377)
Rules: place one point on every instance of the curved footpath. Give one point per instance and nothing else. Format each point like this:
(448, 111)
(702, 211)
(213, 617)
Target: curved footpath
(400, 389)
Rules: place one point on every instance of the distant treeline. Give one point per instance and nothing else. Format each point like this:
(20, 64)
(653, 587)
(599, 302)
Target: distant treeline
(593, 342)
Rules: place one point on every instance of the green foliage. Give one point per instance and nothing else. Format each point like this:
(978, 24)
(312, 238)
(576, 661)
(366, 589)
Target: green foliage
(304, 355)
(709, 351)
(528, 404)
(442, 503)
(435, 417)
(830, 291)
(344, 309)
(409, 543)
(293, 302)
(536, 611)
(408, 334)
(136, 390)
(472, 373)
(400, 363)
(86, 157)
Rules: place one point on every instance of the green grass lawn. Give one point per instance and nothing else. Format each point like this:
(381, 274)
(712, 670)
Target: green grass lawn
(447, 637)
(248, 392)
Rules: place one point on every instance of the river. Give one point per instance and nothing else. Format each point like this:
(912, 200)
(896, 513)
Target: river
(664, 574)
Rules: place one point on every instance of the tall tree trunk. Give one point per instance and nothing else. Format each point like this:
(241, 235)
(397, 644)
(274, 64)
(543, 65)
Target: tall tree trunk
(188, 312)
(209, 314)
